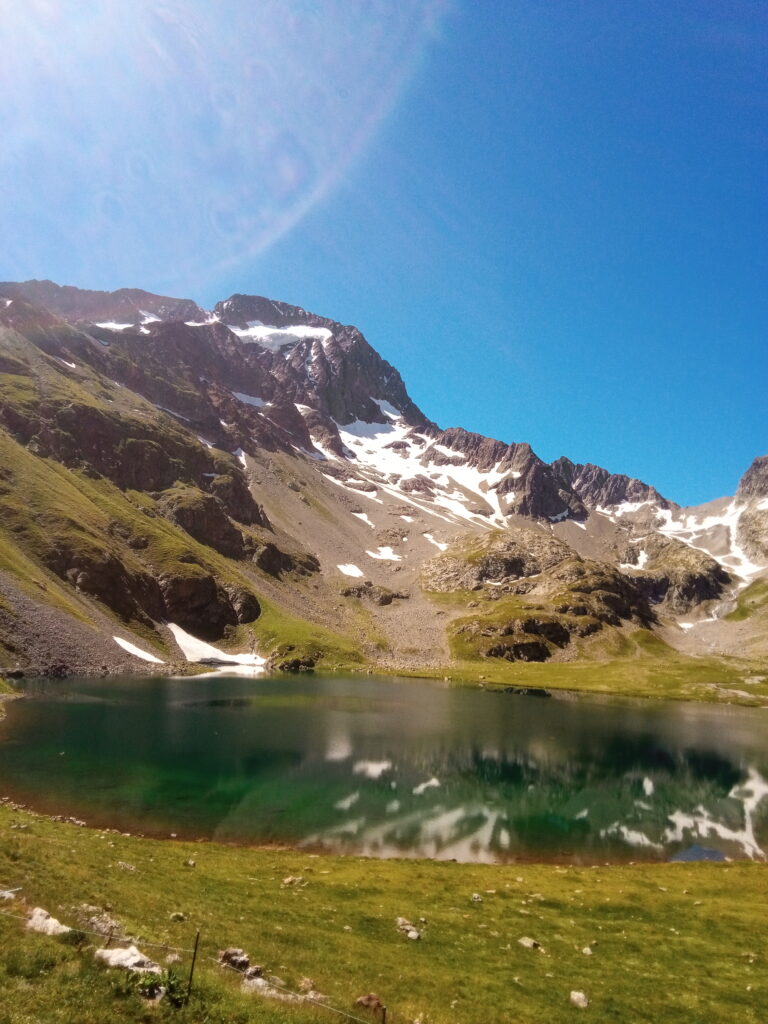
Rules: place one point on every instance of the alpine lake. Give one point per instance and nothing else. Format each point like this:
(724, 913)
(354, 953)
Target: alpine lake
(381, 766)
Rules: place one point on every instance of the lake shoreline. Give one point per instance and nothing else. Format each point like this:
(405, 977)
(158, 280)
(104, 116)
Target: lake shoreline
(601, 680)
(11, 802)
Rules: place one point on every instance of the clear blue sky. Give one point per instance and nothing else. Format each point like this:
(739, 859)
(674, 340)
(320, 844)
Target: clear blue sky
(551, 217)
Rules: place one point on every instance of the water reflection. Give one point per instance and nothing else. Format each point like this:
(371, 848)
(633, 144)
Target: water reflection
(386, 767)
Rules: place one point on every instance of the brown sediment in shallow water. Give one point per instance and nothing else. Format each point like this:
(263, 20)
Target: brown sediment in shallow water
(6, 697)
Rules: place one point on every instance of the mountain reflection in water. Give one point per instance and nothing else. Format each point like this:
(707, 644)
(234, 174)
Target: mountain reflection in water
(386, 767)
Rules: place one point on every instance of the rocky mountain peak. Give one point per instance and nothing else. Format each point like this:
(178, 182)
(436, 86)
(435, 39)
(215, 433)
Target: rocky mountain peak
(79, 305)
(244, 310)
(754, 483)
(598, 488)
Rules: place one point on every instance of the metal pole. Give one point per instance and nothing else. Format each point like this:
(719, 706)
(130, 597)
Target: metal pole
(192, 968)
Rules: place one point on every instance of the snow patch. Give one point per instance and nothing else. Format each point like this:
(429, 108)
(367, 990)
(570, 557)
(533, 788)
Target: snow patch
(353, 490)
(111, 325)
(171, 412)
(642, 560)
(274, 338)
(136, 651)
(212, 319)
(450, 452)
(351, 570)
(437, 543)
(385, 554)
(387, 408)
(363, 517)
(198, 650)
(735, 560)
(259, 403)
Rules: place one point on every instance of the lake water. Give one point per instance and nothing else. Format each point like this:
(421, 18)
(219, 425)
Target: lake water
(387, 767)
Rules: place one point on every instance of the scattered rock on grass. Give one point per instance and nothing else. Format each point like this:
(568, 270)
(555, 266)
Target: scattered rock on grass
(41, 921)
(530, 943)
(262, 987)
(99, 920)
(130, 958)
(235, 958)
(579, 999)
(370, 1002)
(405, 926)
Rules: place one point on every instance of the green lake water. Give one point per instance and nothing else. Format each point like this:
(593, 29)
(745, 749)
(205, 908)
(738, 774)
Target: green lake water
(388, 767)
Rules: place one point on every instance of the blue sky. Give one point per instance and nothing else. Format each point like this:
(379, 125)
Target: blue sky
(551, 217)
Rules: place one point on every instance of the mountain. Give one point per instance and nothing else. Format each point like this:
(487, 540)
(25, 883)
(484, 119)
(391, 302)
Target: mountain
(171, 476)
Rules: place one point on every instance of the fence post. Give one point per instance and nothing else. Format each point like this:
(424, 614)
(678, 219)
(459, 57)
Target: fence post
(108, 938)
(192, 968)
(383, 1015)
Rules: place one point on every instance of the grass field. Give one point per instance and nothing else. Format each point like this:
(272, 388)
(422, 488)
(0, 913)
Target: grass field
(672, 943)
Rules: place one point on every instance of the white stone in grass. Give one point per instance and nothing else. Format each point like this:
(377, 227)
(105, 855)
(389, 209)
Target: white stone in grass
(579, 999)
(41, 921)
(130, 959)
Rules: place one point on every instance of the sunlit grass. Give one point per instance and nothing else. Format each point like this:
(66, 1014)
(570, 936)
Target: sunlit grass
(641, 922)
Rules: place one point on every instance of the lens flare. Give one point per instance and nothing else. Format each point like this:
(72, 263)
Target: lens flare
(199, 132)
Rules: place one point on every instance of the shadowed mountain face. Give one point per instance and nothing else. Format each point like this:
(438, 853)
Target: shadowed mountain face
(162, 463)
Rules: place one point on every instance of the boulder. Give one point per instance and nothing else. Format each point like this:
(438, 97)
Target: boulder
(130, 959)
(41, 921)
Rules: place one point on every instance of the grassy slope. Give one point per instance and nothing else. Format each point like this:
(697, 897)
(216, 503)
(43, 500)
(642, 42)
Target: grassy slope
(642, 922)
(49, 504)
(279, 632)
(752, 599)
(632, 663)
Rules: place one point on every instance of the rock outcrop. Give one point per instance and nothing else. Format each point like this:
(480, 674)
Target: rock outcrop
(598, 488)
(754, 483)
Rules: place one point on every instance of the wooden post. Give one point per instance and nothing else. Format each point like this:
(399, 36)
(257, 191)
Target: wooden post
(192, 968)
(108, 938)
(383, 1015)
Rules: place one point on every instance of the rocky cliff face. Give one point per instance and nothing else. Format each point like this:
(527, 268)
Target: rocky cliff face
(599, 488)
(754, 483)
